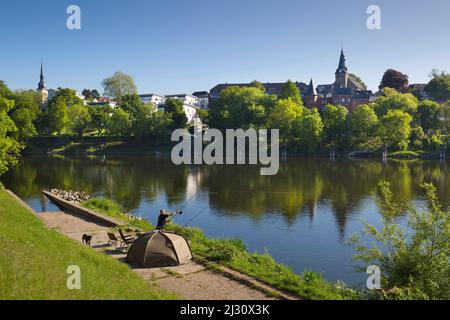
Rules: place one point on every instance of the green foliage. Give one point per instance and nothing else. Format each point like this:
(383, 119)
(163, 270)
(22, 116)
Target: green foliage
(414, 261)
(132, 104)
(358, 80)
(99, 116)
(34, 261)
(291, 91)
(395, 129)
(9, 147)
(335, 125)
(174, 108)
(284, 116)
(119, 123)
(152, 124)
(393, 100)
(119, 85)
(439, 86)
(363, 123)
(79, 119)
(428, 114)
(308, 132)
(25, 112)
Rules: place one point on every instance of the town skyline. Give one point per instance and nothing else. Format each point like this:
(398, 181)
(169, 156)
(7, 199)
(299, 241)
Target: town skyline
(195, 52)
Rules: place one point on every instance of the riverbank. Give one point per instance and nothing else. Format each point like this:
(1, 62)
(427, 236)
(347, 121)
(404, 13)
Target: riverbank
(100, 146)
(233, 254)
(34, 261)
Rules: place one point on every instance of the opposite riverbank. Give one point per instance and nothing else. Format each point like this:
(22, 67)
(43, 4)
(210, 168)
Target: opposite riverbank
(100, 146)
(34, 261)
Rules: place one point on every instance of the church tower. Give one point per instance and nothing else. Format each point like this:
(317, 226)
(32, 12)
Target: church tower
(42, 88)
(341, 73)
(310, 97)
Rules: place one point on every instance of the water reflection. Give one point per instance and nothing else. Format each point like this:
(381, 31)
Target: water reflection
(313, 203)
(233, 190)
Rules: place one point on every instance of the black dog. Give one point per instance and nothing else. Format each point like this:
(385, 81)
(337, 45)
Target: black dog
(87, 239)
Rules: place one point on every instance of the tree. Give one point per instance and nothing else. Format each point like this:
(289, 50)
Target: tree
(358, 80)
(25, 112)
(175, 109)
(56, 116)
(119, 85)
(283, 117)
(131, 103)
(79, 119)
(395, 129)
(257, 84)
(119, 123)
(393, 100)
(428, 114)
(335, 125)
(308, 131)
(414, 261)
(241, 108)
(9, 147)
(363, 123)
(291, 90)
(99, 116)
(91, 94)
(153, 124)
(395, 80)
(439, 86)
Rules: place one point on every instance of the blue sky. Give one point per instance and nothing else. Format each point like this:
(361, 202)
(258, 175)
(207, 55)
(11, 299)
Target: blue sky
(181, 46)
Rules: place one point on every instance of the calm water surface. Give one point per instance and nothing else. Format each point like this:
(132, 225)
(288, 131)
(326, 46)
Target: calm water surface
(301, 216)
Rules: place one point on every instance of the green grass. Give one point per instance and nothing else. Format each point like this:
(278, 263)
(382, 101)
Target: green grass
(233, 253)
(34, 261)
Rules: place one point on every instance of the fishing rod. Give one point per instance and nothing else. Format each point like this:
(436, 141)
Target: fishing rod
(195, 217)
(180, 211)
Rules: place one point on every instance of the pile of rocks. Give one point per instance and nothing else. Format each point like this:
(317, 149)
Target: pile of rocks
(71, 196)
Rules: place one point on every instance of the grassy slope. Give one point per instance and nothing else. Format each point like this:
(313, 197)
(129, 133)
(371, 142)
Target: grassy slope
(34, 261)
(232, 253)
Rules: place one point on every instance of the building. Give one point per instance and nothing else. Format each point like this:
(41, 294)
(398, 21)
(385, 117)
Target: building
(191, 103)
(203, 97)
(42, 88)
(345, 90)
(152, 98)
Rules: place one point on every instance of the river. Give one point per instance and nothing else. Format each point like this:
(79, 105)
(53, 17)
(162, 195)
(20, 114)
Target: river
(302, 216)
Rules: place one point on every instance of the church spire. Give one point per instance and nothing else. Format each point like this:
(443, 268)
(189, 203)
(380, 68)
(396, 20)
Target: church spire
(342, 66)
(41, 85)
(311, 90)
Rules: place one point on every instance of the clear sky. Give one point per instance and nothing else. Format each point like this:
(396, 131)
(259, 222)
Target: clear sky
(181, 46)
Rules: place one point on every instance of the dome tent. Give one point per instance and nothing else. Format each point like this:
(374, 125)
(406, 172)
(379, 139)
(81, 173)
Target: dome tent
(159, 249)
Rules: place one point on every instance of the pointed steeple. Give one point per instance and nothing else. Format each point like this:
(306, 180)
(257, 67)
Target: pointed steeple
(311, 89)
(41, 85)
(342, 66)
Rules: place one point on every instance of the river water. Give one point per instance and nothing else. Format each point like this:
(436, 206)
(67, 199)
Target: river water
(302, 216)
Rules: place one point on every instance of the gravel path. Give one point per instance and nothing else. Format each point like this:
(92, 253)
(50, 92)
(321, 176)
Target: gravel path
(192, 281)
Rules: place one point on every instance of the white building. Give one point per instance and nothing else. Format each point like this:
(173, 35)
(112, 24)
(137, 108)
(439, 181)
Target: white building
(203, 97)
(152, 98)
(190, 103)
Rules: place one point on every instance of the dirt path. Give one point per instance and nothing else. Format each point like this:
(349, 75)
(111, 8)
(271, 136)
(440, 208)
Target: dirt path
(193, 281)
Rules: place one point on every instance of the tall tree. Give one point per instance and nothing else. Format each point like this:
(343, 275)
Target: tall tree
(283, 117)
(308, 131)
(9, 147)
(396, 80)
(79, 119)
(428, 114)
(439, 86)
(395, 129)
(362, 126)
(25, 113)
(393, 100)
(119, 85)
(175, 109)
(119, 123)
(335, 125)
(358, 80)
(291, 90)
(131, 103)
